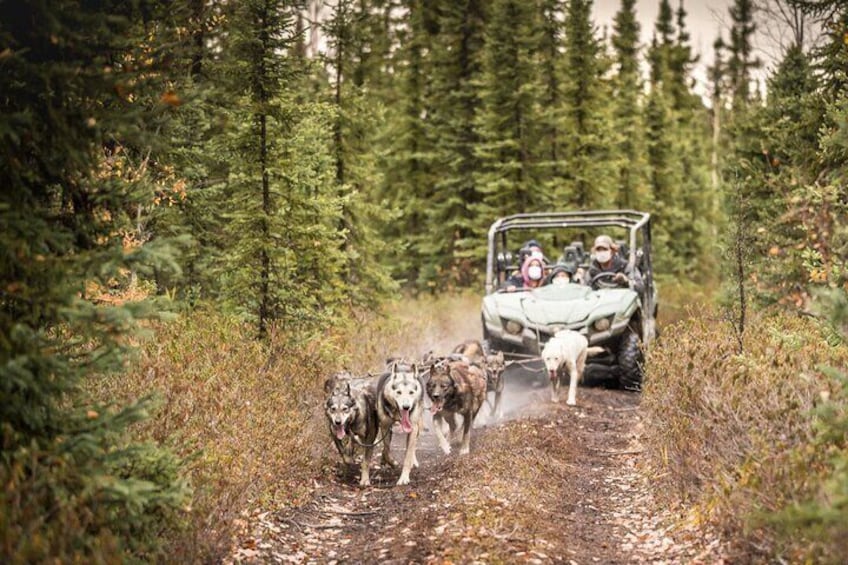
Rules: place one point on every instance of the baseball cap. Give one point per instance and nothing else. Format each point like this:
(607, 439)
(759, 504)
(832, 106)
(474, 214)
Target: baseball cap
(604, 241)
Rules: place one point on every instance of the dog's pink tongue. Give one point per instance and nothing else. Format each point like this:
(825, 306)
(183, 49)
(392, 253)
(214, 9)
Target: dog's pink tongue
(405, 424)
(436, 406)
(553, 375)
(340, 432)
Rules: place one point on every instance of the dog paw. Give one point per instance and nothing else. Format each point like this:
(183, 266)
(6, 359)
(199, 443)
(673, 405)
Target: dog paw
(365, 483)
(554, 399)
(446, 448)
(403, 480)
(572, 403)
(464, 451)
(391, 463)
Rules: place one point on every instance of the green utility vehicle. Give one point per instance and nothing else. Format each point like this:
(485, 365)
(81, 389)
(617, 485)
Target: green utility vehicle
(622, 321)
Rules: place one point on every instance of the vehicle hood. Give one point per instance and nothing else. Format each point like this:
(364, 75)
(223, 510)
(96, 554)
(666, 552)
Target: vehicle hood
(569, 305)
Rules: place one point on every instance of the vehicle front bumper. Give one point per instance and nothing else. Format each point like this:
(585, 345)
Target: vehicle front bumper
(532, 339)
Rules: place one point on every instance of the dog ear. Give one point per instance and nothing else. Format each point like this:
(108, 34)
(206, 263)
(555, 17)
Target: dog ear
(330, 384)
(347, 388)
(457, 382)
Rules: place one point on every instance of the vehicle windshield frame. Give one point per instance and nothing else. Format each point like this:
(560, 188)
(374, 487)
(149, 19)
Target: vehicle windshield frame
(631, 220)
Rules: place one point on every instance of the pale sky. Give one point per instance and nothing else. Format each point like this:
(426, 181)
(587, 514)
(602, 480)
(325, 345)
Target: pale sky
(704, 20)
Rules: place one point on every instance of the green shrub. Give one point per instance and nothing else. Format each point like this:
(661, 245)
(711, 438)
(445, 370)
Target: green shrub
(821, 517)
(738, 435)
(90, 496)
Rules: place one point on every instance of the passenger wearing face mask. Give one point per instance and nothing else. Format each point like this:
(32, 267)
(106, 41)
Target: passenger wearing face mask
(561, 275)
(533, 271)
(531, 275)
(607, 260)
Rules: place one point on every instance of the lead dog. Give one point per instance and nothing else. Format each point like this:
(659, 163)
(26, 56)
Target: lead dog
(567, 349)
(455, 387)
(352, 417)
(493, 365)
(400, 398)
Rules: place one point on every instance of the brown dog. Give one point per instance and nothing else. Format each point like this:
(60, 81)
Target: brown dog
(493, 365)
(455, 387)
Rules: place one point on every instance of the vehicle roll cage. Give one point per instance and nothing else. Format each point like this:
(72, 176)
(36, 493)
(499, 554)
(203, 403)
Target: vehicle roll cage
(631, 220)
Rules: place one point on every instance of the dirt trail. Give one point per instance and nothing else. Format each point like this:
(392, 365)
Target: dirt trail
(548, 483)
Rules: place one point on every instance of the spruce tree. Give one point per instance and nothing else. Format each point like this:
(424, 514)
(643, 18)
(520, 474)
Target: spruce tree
(742, 60)
(76, 88)
(259, 37)
(716, 74)
(630, 155)
(678, 154)
(680, 65)
(553, 165)
(790, 124)
(408, 157)
(664, 173)
(283, 212)
(506, 123)
(591, 178)
(189, 197)
(693, 130)
(354, 136)
(453, 235)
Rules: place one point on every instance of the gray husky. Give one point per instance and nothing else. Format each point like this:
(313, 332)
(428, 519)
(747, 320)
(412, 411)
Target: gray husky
(352, 417)
(400, 398)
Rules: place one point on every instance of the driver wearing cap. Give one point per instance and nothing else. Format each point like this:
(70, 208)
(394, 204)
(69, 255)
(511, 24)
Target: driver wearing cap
(607, 260)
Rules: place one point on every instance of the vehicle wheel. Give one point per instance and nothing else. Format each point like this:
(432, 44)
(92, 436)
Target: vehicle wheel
(630, 362)
(597, 374)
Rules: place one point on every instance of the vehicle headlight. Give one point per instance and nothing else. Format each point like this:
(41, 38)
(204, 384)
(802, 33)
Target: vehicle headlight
(513, 327)
(601, 325)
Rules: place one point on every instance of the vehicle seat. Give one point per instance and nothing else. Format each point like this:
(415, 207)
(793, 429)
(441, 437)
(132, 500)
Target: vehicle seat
(623, 249)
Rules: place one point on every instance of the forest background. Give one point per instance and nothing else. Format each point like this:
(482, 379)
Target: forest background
(250, 174)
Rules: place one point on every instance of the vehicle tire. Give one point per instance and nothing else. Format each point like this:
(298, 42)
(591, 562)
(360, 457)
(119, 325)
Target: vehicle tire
(597, 374)
(631, 362)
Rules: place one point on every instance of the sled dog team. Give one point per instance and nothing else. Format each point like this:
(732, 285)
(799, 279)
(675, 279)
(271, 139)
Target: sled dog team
(361, 417)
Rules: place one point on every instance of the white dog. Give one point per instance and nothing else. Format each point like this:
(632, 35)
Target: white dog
(400, 398)
(567, 349)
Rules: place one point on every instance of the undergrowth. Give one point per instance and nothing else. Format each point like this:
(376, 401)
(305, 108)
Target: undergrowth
(247, 417)
(743, 438)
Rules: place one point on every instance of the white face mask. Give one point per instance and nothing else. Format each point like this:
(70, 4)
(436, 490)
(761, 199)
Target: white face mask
(534, 272)
(560, 281)
(603, 256)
